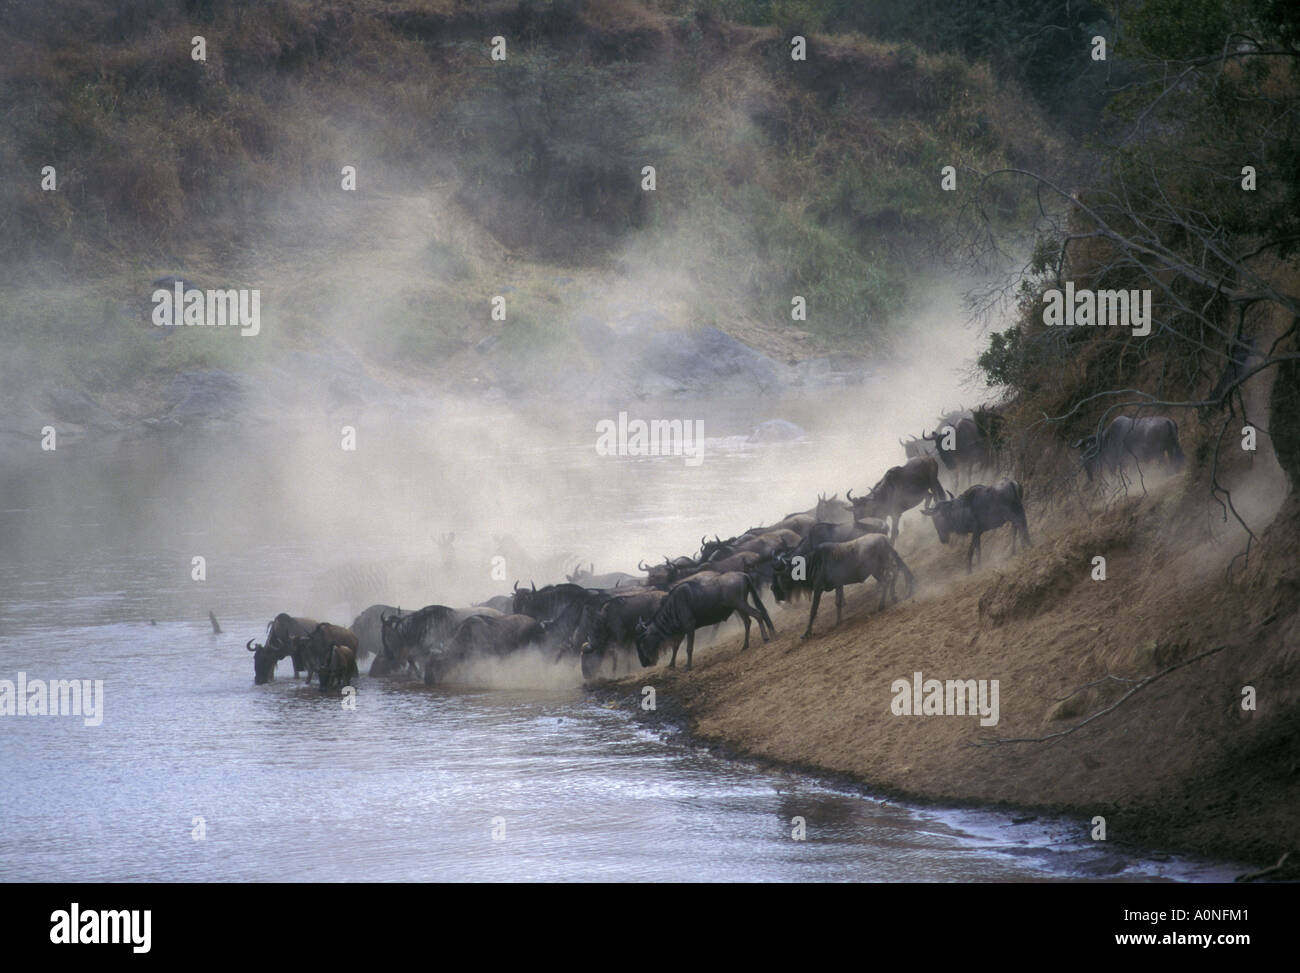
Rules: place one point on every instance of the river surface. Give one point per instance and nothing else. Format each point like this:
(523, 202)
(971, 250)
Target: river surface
(195, 774)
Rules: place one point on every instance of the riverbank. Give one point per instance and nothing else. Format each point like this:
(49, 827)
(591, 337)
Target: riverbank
(1179, 766)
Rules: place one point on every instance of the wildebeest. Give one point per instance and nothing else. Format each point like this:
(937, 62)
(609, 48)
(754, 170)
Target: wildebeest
(917, 446)
(483, 635)
(698, 603)
(768, 543)
(560, 606)
(841, 563)
(965, 448)
(1127, 441)
(338, 668)
(899, 490)
(280, 632)
(979, 509)
(832, 510)
(315, 647)
(609, 579)
(612, 625)
(410, 640)
(369, 630)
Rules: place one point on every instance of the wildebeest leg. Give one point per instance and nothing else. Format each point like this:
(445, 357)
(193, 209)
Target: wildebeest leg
(690, 648)
(744, 617)
(974, 546)
(839, 604)
(812, 614)
(885, 581)
(672, 663)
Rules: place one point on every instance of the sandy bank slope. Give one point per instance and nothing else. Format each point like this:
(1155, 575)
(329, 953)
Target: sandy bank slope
(1179, 765)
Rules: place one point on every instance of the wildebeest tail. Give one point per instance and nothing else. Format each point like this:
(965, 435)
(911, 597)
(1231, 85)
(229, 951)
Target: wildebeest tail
(758, 602)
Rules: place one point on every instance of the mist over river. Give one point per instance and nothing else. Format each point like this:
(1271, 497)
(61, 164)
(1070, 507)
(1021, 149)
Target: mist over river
(413, 783)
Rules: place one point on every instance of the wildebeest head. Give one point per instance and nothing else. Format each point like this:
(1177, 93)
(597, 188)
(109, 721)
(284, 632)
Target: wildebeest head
(941, 514)
(264, 661)
(947, 456)
(648, 641)
(391, 637)
(524, 599)
(782, 576)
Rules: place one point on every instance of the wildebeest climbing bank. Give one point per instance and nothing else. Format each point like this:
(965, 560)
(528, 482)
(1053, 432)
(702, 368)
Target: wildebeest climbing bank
(591, 349)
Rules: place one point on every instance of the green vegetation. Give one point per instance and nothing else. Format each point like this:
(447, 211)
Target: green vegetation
(773, 177)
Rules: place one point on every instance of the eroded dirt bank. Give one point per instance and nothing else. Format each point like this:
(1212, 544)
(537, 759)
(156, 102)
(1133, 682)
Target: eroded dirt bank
(1178, 766)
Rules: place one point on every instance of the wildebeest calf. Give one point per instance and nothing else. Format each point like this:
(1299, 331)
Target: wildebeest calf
(338, 669)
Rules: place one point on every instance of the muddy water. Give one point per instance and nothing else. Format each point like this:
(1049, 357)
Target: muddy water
(531, 780)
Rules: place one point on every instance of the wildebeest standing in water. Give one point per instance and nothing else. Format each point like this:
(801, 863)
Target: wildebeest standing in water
(317, 646)
(280, 633)
(484, 635)
(1132, 442)
(612, 625)
(338, 669)
(698, 603)
(979, 509)
(839, 563)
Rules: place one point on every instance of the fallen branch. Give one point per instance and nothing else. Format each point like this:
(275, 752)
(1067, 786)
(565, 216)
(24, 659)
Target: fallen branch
(1109, 709)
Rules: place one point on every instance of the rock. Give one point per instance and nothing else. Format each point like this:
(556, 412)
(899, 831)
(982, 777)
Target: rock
(68, 405)
(207, 396)
(708, 361)
(777, 431)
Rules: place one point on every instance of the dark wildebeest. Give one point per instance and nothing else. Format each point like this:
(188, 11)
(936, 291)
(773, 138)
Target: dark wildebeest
(979, 509)
(338, 669)
(411, 639)
(837, 564)
(1129, 441)
(560, 605)
(611, 626)
(964, 448)
(315, 647)
(483, 635)
(899, 490)
(766, 544)
(699, 603)
(280, 632)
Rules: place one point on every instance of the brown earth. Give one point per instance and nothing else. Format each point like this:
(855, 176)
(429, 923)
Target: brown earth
(1180, 765)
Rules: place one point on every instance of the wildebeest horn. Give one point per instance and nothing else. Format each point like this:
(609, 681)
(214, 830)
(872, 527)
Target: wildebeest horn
(249, 646)
(534, 584)
(848, 495)
(516, 587)
(949, 492)
(642, 566)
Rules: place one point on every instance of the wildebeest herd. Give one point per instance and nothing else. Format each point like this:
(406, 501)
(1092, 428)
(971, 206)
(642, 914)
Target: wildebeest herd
(604, 619)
